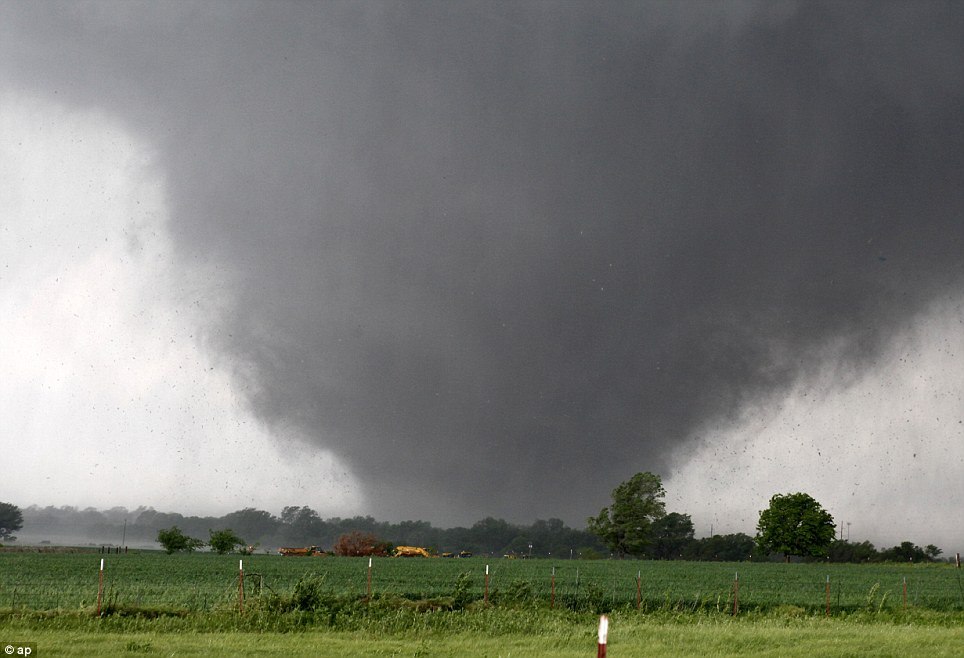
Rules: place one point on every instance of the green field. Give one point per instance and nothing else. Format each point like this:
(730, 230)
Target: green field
(154, 603)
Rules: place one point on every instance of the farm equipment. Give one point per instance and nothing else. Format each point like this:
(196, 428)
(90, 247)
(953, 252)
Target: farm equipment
(411, 551)
(307, 551)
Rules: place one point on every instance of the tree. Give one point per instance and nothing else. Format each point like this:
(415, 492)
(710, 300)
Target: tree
(721, 548)
(252, 523)
(224, 541)
(301, 525)
(671, 535)
(844, 551)
(11, 520)
(173, 540)
(906, 552)
(932, 551)
(625, 526)
(491, 535)
(414, 533)
(795, 524)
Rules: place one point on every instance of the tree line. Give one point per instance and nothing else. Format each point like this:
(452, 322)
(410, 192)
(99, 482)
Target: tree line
(636, 524)
(303, 526)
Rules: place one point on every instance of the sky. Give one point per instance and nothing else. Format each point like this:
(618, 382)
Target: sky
(443, 261)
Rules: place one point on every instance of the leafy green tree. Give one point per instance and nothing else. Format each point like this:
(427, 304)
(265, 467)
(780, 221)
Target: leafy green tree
(224, 541)
(11, 520)
(625, 527)
(795, 524)
(672, 534)
(173, 540)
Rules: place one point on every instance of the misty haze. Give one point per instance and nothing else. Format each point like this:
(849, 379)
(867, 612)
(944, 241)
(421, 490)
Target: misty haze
(446, 261)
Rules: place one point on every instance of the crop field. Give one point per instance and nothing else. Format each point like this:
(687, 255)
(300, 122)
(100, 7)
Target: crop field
(151, 601)
(204, 582)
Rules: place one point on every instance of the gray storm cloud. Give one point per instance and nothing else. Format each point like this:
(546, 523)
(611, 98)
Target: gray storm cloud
(498, 257)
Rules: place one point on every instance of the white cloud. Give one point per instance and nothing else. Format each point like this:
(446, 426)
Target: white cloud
(883, 451)
(107, 396)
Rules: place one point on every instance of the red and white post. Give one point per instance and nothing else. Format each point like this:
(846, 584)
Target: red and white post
(603, 636)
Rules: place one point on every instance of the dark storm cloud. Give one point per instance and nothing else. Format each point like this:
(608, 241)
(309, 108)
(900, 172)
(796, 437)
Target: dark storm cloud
(500, 256)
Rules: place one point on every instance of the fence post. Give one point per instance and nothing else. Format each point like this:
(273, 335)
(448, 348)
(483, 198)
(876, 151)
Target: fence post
(369, 577)
(552, 596)
(100, 586)
(241, 586)
(736, 593)
(486, 594)
(828, 594)
(639, 589)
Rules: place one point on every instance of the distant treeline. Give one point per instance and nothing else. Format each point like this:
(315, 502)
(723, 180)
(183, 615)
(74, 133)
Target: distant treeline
(302, 526)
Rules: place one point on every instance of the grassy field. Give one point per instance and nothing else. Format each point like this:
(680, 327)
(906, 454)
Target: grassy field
(562, 638)
(205, 582)
(157, 604)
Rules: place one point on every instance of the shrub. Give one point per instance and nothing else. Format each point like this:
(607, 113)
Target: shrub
(356, 544)
(462, 595)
